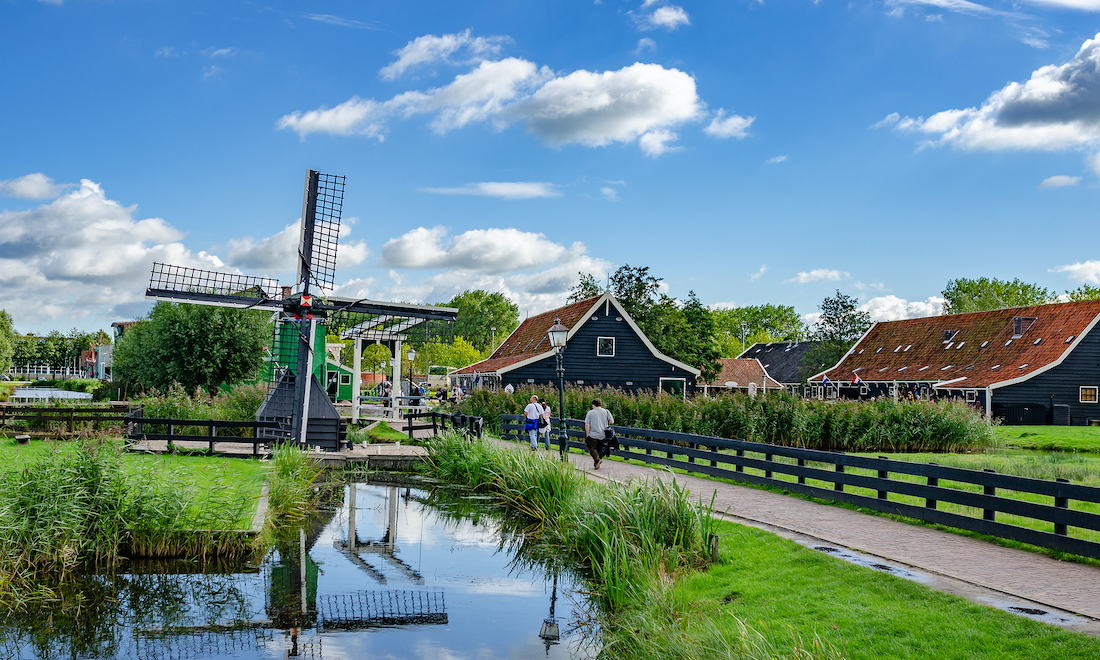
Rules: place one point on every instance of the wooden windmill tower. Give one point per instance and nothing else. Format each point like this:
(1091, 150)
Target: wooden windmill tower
(296, 398)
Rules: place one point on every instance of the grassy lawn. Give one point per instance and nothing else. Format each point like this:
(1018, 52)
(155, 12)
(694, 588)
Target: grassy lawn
(769, 582)
(211, 483)
(1050, 438)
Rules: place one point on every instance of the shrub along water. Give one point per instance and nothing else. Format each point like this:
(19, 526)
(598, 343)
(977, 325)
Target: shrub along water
(239, 404)
(882, 425)
(635, 540)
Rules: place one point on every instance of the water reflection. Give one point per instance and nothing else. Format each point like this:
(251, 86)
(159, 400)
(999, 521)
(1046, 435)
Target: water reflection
(397, 571)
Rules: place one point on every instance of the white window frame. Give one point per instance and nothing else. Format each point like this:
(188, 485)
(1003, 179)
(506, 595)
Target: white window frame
(598, 340)
(345, 379)
(1081, 394)
(683, 390)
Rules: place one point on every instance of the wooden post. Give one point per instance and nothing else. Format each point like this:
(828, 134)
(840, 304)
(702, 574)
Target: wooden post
(740, 468)
(801, 478)
(836, 484)
(883, 474)
(691, 445)
(213, 434)
(932, 481)
(1061, 503)
(356, 378)
(72, 412)
(989, 514)
(767, 473)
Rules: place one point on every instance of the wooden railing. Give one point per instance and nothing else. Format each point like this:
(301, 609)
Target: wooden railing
(869, 482)
(466, 424)
(137, 423)
(52, 419)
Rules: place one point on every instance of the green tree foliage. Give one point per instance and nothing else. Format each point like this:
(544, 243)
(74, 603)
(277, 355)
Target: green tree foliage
(1084, 292)
(840, 326)
(763, 323)
(964, 295)
(8, 339)
(193, 345)
(458, 354)
(479, 312)
(376, 358)
(587, 287)
(26, 350)
(638, 292)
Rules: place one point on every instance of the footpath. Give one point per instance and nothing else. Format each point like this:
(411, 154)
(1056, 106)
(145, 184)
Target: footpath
(1030, 584)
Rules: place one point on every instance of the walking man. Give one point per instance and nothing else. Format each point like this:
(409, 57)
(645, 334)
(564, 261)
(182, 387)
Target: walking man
(531, 414)
(596, 423)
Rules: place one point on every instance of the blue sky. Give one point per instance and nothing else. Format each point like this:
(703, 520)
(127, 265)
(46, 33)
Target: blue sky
(753, 152)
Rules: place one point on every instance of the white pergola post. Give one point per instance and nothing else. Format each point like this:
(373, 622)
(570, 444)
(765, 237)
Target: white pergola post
(395, 390)
(356, 378)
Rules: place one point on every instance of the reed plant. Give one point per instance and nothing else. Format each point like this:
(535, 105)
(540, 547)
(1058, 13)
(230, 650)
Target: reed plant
(882, 425)
(238, 404)
(292, 493)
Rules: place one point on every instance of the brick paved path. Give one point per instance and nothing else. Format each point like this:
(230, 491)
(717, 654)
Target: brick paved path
(1038, 578)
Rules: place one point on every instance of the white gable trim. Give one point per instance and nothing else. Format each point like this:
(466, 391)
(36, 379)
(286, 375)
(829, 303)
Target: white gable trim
(1077, 340)
(849, 352)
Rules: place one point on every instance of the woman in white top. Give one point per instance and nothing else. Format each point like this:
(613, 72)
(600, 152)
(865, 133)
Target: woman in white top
(545, 430)
(531, 415)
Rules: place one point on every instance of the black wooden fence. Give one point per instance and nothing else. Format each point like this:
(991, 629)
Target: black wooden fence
(466, 424)
(55, 419)
(871, 483)
(137, 423)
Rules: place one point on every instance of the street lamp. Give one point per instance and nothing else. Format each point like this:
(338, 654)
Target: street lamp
(558, 333)
(412, 356)
(744, 327)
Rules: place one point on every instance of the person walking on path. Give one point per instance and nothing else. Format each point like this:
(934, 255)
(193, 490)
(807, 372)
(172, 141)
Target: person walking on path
(544, 430)
(531, 415)
(596, 423)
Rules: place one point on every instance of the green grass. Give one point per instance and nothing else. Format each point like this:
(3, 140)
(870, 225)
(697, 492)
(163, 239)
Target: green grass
(776, 584)
(1049, 438)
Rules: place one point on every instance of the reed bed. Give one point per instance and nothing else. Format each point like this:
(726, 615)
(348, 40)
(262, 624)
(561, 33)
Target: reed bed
(239, 404)
(882, 425)
(635, 540)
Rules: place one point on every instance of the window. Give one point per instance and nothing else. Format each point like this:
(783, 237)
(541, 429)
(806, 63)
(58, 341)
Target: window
(1070, 339)
(922, 369)
(1008, 342)
(960, 345)
(971, 396)
(946, 368)
(907, 348)
(984, 344)
(903, 368)
(1022, 366)
(995, 367)
(605, 347)
(674, 386)
(1036, 342)
(878, 351)
(1089, 394)
(860, 351)
(345, 379)
(947, 345)
(1020, 325)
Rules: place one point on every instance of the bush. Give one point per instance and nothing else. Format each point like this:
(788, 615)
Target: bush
(239, 404)
(882, 425)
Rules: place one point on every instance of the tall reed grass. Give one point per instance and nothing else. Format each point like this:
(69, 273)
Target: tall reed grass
(239, 404)
(882, 425)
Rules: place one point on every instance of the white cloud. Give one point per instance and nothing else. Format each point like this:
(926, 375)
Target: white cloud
(583, 107)
(669, 17)
(211, 72)
(1085, 271)
(818, 274)
(502, 189)
(478, 250)
(1084, 5)
(219, 52)
(430, 48)
(934, 18)
(335, 20)
(33, 186)
(1057, 108)
(610, 193)
(644, 44)
(729, 304)
(775, 160)
(889, 120)
(726, 127)
(168, 51)
(811, 318)
(959, 6)
(84, 256)
(879, 286)
(758, 274)
(892, 308)
(1060, 181)
(354, 116)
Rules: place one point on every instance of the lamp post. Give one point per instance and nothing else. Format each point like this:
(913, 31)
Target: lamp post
(412, 356)
(558, 333)
(744, 327)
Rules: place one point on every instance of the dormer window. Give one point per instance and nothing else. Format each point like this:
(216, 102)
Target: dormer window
(948, 335)
(1020, 325)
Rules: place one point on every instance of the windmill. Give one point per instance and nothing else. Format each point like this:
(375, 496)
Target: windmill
(303, 313)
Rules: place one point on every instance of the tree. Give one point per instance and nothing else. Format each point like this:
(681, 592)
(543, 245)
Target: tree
(479, 312)
(193, 345)
(8, 339)
(458, 354)
(968, 295)
(26, 350)
(763, 323)
(587, 287)
(636, 290)
(376, 358)
(840, 326)
(1084, 292)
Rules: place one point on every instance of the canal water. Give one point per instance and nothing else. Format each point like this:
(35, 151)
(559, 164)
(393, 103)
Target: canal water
(39, 394)
(396, 571)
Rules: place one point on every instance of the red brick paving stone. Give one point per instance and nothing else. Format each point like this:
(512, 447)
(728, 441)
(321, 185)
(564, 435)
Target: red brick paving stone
(1064, 585)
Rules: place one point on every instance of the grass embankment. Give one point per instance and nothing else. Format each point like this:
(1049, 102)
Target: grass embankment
(379, 433)
(1049, 438)
(777, 418)
(765, 598)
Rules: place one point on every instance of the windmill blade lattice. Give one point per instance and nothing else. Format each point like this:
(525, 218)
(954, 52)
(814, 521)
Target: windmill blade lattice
(321, 209)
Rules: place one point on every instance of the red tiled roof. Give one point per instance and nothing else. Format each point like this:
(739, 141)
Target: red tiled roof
(529, 339)
(742, 371)
(915, 349)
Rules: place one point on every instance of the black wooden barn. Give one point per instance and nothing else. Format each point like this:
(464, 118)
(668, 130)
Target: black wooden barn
(789, 362)
(1024, 365)
(604, 348)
